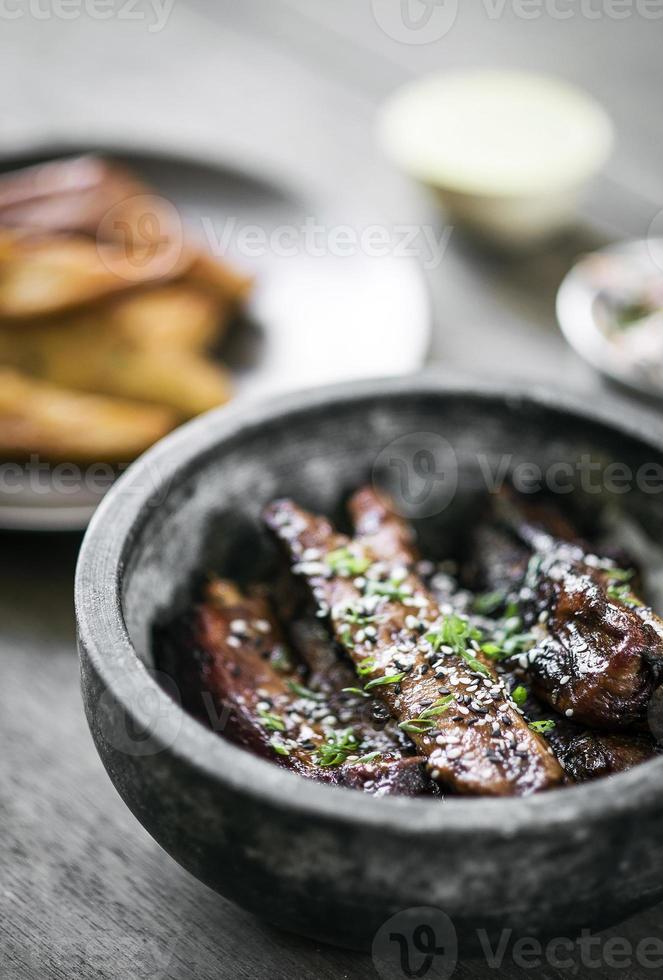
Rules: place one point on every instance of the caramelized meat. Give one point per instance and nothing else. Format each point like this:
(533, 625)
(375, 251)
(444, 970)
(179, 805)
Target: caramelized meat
(586, 754)
(243, 681)
(597, 651)
(380, 529)
(589, 755)
(596, 660)
(423, 667)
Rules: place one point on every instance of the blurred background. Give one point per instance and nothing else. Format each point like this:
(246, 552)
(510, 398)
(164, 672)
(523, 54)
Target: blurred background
(291, 88)
(270, 114)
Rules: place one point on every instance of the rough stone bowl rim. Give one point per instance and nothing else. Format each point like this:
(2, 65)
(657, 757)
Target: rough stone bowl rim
(104, 638)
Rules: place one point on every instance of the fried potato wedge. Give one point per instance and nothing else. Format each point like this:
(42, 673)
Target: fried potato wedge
(93, 358)
(37, 417)
(43, 276)
(224, 280)
(177, 317)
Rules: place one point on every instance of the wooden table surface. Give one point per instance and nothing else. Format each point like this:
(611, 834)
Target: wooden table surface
(292, 86)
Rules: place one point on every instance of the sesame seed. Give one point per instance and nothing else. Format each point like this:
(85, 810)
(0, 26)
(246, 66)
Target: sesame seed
(569, 712)
(565, 679)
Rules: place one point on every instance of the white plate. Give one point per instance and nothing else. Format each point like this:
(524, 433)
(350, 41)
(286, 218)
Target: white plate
(322, 310)
(577, 298)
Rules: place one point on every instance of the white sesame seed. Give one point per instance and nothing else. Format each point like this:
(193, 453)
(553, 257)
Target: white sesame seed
(569, 712)
(565, 679)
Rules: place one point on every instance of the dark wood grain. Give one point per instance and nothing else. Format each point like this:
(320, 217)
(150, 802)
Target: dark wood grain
(84, 892)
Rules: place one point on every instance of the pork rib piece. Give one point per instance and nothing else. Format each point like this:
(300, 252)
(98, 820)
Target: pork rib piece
(236, 673)
(422, 666)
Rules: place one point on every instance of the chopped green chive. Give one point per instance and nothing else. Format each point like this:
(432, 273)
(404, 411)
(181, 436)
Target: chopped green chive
(355, 690)
(304, 692)
(335, 750)
(370, 757)
(519, 695)
(542, 727)
(488, 602)
(366, 666)
(344, 563)
(271, 721)
(388, 679)
(424, 722)
(279, 747)
(391, 589)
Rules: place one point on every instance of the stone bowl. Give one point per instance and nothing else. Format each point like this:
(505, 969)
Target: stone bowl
(327, 862)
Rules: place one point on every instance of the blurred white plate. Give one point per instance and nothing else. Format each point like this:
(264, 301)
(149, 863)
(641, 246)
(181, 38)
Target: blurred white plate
(322, 310)
(631, 355)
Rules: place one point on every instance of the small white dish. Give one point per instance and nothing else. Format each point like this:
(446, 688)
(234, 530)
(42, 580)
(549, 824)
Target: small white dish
(507, 152)
(610, 309)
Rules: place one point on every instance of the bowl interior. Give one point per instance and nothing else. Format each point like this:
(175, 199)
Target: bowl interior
(438, 453)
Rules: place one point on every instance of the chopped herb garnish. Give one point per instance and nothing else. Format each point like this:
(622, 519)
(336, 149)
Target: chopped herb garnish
(475, 664)
(488, 602)
(344, 563)
(387, 679)
(622, 593)
(271, 721)
(279, 747)
(621, 574)
(370, 757)
(304, 692)
(455, 633)
(494, 651)
(415, 727)
(356, 617)
(355, 690)
(519, 695)
(542, 727)
(424, 722)
(391, 589)
(335, 750)
(366, 666)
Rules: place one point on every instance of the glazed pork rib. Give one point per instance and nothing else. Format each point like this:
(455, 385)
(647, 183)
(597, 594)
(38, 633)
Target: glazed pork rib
(422, 666)
(599, 650)
(585, 754)
(589, 755)
(244, 677)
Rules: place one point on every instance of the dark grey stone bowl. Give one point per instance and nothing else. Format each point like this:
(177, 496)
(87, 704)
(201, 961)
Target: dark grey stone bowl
(332, 863)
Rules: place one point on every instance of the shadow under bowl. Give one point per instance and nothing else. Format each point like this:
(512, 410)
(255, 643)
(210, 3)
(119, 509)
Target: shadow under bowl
(326, 862)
